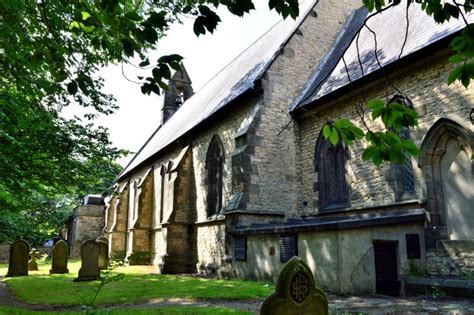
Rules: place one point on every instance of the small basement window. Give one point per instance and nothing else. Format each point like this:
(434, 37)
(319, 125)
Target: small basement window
(240, 248)
(288, 247)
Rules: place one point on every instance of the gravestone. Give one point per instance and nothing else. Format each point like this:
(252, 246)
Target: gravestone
(33, 262)
(296, 292)
(103, 254)
(89, 261)
(19, 254)
(5, 251)
(59, 261)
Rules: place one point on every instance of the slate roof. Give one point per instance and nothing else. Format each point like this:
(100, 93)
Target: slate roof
(389, 28)
(236, 78)
(324, 223)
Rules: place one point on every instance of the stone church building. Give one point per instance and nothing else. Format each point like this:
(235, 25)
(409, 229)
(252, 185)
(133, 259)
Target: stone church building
(238, 177)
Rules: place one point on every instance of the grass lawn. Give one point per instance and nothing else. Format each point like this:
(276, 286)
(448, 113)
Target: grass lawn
(137, 286)
(135, 311)
(3, 269)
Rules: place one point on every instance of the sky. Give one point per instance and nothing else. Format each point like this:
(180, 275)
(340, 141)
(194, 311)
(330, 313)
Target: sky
(139, 115)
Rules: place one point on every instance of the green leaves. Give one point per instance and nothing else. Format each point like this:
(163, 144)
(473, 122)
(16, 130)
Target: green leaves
(393, 115)
(463, 45)
(377, 4)
(285, 7)
(330, 133)
(239, 8)
(161, 72)
(207, 20)
(72, 87)
(342, 129)
(385, 145)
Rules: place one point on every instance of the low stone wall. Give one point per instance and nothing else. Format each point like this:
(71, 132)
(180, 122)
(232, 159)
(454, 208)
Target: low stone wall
(452, 258)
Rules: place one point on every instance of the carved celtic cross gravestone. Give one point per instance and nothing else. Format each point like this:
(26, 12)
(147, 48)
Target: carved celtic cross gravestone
(296, 292)
(59, 261)
(89, 261)
(19, 254)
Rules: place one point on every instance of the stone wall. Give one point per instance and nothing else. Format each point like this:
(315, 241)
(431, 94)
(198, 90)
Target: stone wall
(181, 235)
(118, 229)
(432, 98)
(274, 184)
(342, 261)
(88, 223)
(452, 258)
(370, 186)
(256, 159)
(141, 250)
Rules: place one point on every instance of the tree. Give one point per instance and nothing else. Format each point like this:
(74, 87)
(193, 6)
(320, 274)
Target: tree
(46, 213)
(49, 57)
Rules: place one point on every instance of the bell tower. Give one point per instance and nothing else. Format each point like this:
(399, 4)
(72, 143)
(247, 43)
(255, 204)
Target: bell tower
(180, 89)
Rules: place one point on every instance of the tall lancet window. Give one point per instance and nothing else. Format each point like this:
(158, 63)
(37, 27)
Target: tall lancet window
(402, 173)
(330, 165)
(214, 179)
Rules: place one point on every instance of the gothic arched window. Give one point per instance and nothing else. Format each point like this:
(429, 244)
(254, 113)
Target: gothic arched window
(330, 165)
(403, 179)
(214, 178)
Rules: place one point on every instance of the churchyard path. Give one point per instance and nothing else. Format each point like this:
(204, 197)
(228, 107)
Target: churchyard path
(337, 304)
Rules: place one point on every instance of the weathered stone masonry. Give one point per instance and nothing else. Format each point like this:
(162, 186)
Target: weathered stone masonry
(277, 177)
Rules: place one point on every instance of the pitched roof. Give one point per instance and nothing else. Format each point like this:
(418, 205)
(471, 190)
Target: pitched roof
(389, 28)
(233, 80)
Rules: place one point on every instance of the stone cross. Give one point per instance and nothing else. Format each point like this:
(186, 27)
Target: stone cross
(59, 261)
(18, 264)
(295, 292)
(33, 263)
(103, 254)
(89, 271)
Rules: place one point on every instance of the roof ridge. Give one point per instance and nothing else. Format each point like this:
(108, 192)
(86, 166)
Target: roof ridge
(288, 26)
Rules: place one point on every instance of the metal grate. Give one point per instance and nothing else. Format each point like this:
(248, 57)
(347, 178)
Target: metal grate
(288, 247)
(240, 248)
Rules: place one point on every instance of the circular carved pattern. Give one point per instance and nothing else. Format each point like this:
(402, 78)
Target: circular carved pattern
(299, 287)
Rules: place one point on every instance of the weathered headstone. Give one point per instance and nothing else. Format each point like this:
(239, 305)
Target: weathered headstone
(33, 262)
(59, 261)
(295, 292)
(5, 251)
(18, 264)
(89, 261)
(103, 254)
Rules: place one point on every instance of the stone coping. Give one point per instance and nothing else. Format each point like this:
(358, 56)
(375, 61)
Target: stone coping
(212, 220)
(350, 221)
(256, 212)
(375, 207)
(445, 282)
